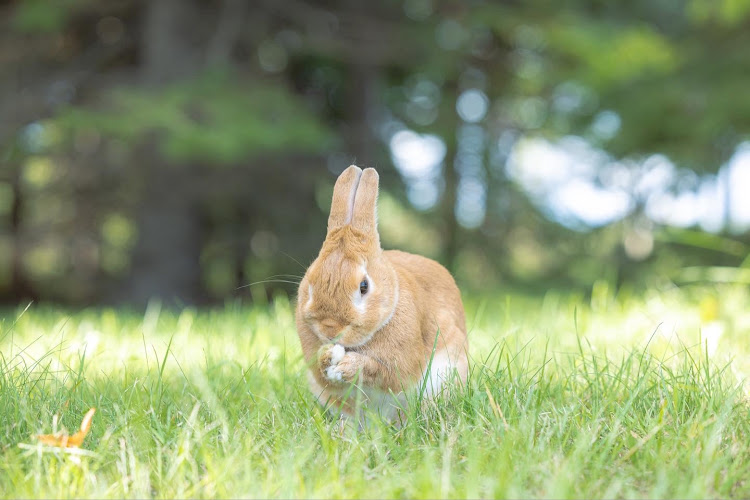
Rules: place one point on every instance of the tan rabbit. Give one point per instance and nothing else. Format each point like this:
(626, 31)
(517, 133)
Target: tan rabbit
(371, 317)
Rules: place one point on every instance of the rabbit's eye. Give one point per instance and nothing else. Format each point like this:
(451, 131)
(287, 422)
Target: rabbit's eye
(363, 287)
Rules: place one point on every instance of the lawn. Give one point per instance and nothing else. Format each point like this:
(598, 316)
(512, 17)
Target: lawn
(569, 396)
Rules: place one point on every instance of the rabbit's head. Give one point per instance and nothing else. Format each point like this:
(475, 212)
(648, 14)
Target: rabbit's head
(350, 291)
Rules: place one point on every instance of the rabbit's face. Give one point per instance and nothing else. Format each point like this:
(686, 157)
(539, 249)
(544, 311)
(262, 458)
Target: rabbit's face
(348, 295)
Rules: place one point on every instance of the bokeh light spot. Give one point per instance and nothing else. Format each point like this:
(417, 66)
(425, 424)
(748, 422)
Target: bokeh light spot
(472, 105)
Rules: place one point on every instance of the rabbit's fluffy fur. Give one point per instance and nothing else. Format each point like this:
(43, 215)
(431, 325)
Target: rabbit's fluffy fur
(371, 317)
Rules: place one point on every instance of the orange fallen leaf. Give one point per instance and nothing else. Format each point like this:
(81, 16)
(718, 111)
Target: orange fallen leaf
(63, 440)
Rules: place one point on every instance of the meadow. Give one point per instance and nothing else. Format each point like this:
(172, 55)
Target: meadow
(569, 396)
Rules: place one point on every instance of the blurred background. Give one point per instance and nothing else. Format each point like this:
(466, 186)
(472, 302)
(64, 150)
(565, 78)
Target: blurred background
(185, 149)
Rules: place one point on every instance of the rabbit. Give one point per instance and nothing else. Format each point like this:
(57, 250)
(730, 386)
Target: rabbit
(369, 319)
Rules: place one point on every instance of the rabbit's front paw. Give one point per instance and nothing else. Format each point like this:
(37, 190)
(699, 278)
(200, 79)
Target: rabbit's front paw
(346, 369)
(338, 366)
(328, 359)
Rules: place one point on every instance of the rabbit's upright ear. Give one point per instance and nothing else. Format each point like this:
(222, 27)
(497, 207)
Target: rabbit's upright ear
(365, 217)
(342, 204)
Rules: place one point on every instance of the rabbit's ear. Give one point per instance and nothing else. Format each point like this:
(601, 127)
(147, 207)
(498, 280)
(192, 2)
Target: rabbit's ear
(365, 217)
(342, 205)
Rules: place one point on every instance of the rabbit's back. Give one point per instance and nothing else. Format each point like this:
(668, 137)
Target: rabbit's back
(434, 291)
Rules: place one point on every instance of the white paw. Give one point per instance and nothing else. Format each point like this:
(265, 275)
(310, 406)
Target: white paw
(337, 354)
(334, 374)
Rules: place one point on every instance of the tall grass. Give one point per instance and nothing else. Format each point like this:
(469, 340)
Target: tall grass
(612, 396)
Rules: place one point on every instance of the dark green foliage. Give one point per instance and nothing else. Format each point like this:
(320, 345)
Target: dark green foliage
(118, 112)
(42, 16)
(212, 119)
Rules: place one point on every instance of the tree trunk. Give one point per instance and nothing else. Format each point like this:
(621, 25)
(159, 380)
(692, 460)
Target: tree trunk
(450, 223)
(360, 103)
(167, 253)
(451, 228)
(20, 288)
(166, 259)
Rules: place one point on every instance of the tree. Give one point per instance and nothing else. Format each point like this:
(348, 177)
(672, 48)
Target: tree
(180, 149)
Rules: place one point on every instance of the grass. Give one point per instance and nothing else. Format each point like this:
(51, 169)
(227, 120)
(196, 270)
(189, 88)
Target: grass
(612, 396)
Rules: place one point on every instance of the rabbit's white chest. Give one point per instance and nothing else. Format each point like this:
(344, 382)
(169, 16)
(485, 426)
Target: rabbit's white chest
(383, 403)
(437, 373)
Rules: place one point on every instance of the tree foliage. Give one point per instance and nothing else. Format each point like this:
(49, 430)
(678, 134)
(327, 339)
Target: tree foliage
(187, 148)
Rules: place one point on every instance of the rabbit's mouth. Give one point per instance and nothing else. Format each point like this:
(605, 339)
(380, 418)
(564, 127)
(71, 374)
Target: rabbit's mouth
(325, 337)
(350, 343)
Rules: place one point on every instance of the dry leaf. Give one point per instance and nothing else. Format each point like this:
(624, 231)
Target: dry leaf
(62, 440)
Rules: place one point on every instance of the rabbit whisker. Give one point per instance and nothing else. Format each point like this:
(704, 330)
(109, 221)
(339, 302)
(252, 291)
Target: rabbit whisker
(268, 281)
